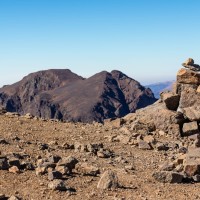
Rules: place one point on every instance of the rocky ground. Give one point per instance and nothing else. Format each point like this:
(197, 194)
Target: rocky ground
(54, 160)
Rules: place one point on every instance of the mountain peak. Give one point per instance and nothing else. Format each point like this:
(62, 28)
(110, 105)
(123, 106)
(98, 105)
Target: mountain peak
(62, 94)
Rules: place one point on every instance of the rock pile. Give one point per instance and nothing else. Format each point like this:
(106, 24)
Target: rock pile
(176, 114)
(189, 63)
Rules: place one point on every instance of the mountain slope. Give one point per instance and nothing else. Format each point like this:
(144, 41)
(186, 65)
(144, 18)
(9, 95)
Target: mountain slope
(61, 94)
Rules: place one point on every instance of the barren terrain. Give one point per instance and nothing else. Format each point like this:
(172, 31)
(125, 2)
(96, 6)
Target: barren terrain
(133, 166)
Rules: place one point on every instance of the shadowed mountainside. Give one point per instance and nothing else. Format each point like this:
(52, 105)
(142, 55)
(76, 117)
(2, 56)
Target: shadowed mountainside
(61, 94)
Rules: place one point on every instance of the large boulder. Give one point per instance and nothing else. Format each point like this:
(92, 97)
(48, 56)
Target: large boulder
(188, 77)
(171, 100)
(158, 115)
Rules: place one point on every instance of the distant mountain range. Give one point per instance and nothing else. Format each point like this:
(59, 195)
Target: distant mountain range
(157, 88)
(62, 94)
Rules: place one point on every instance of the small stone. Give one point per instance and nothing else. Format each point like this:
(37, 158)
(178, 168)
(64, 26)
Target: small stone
(190, 128)
(54, 175)
(161, 133)
(27, 165)
(161, 146)
(3, 141)
(57, 185)
(144, 145)
(149, 139)
(14, 162)
(3, 197)
(171, 100)
(86, 169)
(180, 159)
(93, 148)
(196, 178)
(2, 110)
(14, 169)
(179, 168)
(67, 146)
(191, 169)
(28, 116)
(104, 153)
(168, 177)
(63, 170)
(198, 89)
(13, 198)
(40, 170)
(54, 159)
(129, 167)
(43, 146)
(108, 180)
(192, 162)
(3, 163)
(183, 150)
(116, 123)
(69, 162)
(52, 143)
(166, 166)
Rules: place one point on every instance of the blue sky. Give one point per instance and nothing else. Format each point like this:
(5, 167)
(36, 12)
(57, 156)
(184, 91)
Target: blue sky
(146, 39)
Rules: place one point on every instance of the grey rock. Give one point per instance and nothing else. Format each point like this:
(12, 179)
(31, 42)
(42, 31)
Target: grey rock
(190, 128)
(108, 180)
(166, 166)
(68, 162)
(171, 100)
(14, 162)
(168, 177)
(3, 163)
(144, 145)
(162, 146)
(54, 175)
(86, 169)
(196, 178)
(3, 141)
(54, 159)
(192, 162)
(3, 197)
(57, 185)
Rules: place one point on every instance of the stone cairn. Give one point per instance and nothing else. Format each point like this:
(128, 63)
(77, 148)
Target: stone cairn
(188, 90)
(177, 115)
(184, 100)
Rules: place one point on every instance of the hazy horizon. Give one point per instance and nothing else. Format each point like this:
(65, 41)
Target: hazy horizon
(147, 40)
(145, 82)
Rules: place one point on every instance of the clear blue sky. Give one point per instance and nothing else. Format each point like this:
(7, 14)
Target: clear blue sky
(146, 39)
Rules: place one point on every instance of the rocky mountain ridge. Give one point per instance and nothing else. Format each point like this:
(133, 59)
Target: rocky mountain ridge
(63, 95)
